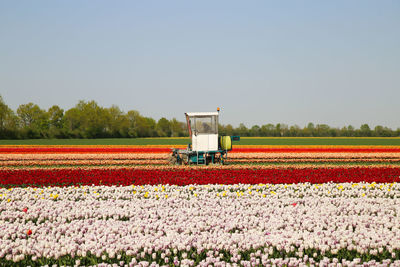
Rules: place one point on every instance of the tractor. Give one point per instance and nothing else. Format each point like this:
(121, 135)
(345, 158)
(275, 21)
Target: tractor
(207, 147)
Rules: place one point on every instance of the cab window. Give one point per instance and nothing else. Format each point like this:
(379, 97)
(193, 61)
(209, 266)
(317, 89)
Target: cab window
(204, 125)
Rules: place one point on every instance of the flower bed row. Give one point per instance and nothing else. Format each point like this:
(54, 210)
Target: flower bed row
(316, 155)
(86, 156)
(127, 162)
(22, 163)
(245, 156)
(77, 149)
(300, 160)
(177, 176)
(247, 225)
(110, 149)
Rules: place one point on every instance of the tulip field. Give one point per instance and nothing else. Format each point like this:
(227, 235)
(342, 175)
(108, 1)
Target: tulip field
(115, 205)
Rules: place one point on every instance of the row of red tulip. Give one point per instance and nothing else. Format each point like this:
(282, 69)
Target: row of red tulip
(122, 176)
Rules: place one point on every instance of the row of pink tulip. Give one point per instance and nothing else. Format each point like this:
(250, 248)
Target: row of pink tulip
(202, 224)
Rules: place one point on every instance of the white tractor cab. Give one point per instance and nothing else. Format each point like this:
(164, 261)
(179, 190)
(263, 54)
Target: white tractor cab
(207, 146)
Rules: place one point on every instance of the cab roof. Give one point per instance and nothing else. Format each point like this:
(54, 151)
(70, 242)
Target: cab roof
(195, 114)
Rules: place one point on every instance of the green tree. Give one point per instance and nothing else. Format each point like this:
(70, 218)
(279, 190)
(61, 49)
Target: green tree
(87, 119)
(278, 131)
(383, 131)
(365, 130)
(34, 121)
(163, 127)
(133, 117)
(146, 127)
(242, 130)
(117, 122)
(72, 123)
(334, 132)
(284, 129)
(229, 130)
(8, 121)
(178, 129)
(152, 126)
(267, 130)
(347, 131)
(350, 130)
(310, 129)
(221, 129)
(294, 130)
(56, 121)
(322, 130)
(281, 129)
(255, 131)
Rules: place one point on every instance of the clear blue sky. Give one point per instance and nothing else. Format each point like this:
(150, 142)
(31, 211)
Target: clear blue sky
(293, 62)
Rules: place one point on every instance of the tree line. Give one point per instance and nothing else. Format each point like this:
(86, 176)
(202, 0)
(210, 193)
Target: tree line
(89, 120)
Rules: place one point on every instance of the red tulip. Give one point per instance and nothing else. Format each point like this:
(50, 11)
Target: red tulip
(177, 176)
(29, 232)
(25, 210)
(294, 204)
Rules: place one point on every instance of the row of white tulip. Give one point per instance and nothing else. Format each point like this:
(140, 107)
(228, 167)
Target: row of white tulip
(297, 224)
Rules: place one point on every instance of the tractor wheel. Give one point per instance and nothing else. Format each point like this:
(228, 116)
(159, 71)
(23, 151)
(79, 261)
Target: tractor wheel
(218, 161)
(172, 160)
(185, 159)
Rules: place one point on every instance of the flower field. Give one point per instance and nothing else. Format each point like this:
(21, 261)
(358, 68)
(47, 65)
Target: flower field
(270, 205)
